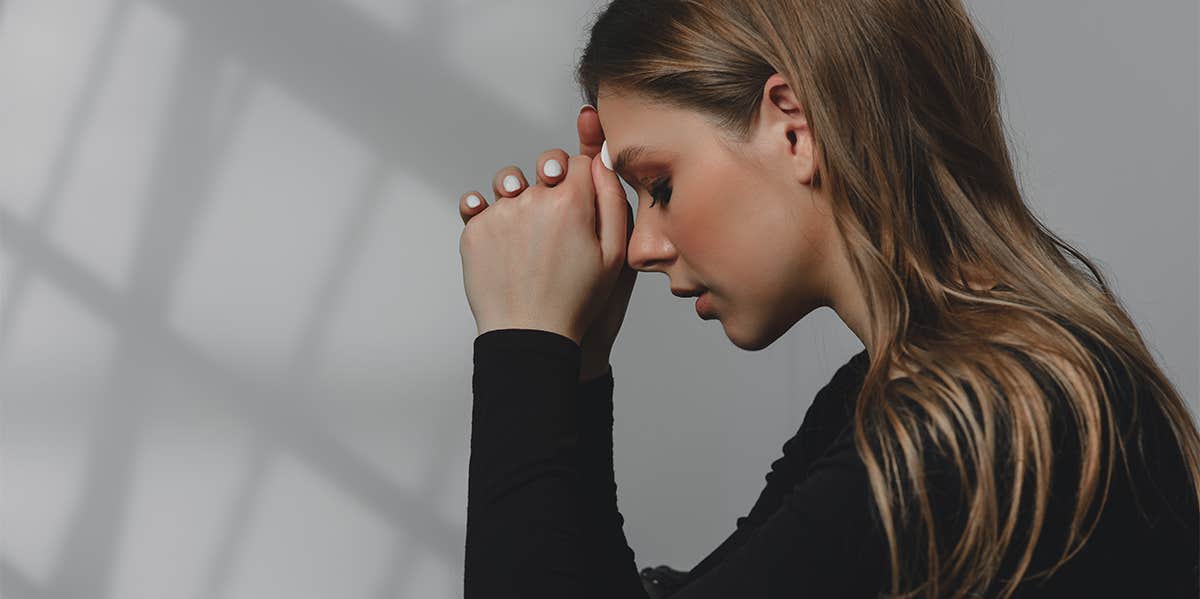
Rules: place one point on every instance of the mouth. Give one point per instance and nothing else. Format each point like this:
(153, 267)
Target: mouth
(688, 292)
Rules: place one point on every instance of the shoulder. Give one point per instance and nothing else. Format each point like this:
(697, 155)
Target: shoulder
(833, 405)
(842, 385)
(1005, 365)
(850, 373)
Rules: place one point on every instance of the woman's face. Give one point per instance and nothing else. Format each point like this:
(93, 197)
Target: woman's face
(742, 220)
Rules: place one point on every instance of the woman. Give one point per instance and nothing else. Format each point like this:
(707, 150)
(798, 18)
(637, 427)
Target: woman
(1004, 433)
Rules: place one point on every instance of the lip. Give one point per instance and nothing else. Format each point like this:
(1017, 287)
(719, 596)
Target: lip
(703, 309)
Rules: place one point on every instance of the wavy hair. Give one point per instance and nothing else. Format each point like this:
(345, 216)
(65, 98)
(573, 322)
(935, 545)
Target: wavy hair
(902, 101)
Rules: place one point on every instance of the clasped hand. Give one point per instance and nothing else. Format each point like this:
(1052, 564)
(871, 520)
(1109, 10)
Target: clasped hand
(550, 256)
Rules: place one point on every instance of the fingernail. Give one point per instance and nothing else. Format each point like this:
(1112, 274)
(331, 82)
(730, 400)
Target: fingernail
(604, 157)
(512, 183)
(585, 107)
(473, 201)
(552, 168)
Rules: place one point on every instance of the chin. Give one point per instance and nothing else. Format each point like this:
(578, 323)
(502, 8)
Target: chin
(753, 340)
(755, 336)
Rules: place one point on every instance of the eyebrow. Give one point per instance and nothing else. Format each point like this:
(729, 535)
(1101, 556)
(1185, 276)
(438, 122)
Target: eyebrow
(626, 157)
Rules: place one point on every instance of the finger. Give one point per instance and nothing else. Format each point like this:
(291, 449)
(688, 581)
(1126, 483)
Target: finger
(579, 176)
(466, 210)
(591, 135)
(552, 167)
(509, 182)
(613, 211)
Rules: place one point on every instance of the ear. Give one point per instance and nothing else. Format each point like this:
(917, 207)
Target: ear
(786, 127)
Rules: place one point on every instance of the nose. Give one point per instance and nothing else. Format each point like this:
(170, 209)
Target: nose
(649, 249)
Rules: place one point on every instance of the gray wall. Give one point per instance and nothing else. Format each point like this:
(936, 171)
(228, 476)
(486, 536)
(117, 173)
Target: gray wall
(235, 351)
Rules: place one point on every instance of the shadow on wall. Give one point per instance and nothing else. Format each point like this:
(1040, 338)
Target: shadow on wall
(211, 197)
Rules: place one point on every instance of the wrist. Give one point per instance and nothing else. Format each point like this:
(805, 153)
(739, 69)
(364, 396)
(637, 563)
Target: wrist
(590, 371)
(513, 324)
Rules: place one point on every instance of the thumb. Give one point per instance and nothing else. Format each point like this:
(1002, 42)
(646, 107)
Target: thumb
(612, 211)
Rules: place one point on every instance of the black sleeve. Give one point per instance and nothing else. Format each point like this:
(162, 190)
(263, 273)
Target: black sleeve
(530, 530)
(536, 529)
(613, 565)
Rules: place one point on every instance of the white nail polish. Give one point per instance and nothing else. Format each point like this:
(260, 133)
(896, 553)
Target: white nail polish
(473, 201)
(604, 157)
(512, 183)
(552, 168)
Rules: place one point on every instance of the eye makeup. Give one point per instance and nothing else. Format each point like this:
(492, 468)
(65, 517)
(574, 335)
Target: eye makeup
(660, 191)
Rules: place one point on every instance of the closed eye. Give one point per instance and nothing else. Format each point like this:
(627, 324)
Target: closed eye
(660, 191)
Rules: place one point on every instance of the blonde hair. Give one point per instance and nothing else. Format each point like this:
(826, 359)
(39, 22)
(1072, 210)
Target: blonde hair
(902, 101)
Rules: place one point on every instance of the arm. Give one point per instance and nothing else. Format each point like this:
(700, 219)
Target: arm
(613, 556)
(528, 530)
(613, 564)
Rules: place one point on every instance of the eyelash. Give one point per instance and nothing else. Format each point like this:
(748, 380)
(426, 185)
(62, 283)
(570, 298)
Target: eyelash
(657, 187)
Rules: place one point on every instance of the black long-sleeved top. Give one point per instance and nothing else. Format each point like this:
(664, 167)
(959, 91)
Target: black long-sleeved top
(542, 517)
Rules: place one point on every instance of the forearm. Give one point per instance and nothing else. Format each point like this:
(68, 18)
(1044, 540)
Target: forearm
(613, 559)
(524, 528)
(541, 504)
(592, 368)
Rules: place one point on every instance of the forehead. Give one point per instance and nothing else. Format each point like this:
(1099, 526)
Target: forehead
(640, 131)
(626, 115)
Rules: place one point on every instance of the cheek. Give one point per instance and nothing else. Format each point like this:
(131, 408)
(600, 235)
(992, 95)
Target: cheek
(707, 232)
(774, 257)
(751, 242)
(764, 240)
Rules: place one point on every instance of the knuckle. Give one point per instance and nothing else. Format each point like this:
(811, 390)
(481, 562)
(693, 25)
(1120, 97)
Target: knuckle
(468, 243)
(537, 192)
